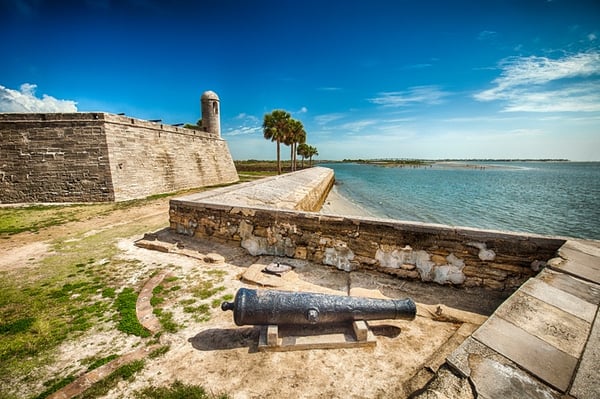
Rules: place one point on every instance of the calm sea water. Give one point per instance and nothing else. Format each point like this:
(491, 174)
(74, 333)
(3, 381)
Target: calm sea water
(550, 198)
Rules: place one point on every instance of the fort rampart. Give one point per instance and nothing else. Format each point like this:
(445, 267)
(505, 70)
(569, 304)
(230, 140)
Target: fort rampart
(419, 251)
(99, 157)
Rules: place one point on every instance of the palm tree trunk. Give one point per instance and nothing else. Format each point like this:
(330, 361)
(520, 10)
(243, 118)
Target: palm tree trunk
(291, 157)
(294, 154)
(278, 159)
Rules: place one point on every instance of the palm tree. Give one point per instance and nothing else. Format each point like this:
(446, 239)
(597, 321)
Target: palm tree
(296, 135)
(276, 126)
(312, 151)
(303, 151)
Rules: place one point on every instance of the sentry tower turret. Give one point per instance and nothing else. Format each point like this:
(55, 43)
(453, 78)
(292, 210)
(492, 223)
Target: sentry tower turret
(209, 103)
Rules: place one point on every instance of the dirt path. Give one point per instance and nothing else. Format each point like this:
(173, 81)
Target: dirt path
(26, 249)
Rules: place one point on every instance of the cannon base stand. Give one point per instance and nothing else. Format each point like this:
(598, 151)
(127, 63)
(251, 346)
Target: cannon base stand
(298, 337)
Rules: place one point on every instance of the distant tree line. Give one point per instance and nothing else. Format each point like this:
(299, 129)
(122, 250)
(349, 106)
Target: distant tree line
(280, 127)
(197, 126)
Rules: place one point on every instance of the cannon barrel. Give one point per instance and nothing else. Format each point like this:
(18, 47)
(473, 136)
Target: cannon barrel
(264, 307)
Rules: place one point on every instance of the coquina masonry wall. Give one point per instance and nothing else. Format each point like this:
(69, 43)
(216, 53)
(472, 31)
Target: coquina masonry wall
(99, 157)
(426, 252)
(148, 158)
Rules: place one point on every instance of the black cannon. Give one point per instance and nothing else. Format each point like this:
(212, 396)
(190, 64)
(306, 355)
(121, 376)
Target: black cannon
(262, 307)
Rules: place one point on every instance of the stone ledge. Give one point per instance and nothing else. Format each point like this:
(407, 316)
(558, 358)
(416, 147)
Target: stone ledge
(303, 190)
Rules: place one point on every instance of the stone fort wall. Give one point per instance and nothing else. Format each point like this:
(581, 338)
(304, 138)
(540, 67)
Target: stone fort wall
(100, 157)
(273, 217)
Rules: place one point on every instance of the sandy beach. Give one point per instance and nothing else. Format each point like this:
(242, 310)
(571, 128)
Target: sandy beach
(336, 204)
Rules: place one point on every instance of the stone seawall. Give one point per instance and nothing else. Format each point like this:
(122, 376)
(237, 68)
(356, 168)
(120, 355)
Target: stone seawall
(99, 157)
(426, 252)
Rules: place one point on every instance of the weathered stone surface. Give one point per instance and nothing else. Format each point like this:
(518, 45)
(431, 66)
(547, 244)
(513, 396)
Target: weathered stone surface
(447, 385)
(587, 291)
(83, 157)
(549, 323)
(580, 261)
(540, 358)
(585, 384)
(495, 376)
(422, 251)
(560, 299)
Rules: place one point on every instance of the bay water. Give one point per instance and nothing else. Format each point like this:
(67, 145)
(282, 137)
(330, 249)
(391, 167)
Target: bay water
(549, 198)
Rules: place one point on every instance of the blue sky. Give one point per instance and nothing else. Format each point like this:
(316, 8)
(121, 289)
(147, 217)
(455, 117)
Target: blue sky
(369, 79)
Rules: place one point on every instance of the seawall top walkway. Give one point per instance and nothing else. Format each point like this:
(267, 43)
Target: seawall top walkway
(303, 190)
(548, 327)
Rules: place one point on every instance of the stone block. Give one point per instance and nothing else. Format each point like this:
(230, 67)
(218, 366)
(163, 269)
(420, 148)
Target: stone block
(547, 322)
(560, 299)
(585, 385)
(540, 358)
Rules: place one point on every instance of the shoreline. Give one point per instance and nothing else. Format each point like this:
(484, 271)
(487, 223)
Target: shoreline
(337, 204)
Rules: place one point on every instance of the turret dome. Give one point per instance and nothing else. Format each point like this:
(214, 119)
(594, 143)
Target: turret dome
(209, 95)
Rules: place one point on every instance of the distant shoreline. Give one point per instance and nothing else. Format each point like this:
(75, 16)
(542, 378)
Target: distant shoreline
(411, 162)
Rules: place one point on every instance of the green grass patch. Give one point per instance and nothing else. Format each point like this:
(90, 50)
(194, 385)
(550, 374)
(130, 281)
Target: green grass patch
(203, 309)
(218, 301)
(177, 390)
(156, 300)
(124, 373)
(101, 362)
(216, 273)
(206, 289)
(159, 352)
(166, 320)
(55, 385)
(17, 326)
(128, 323)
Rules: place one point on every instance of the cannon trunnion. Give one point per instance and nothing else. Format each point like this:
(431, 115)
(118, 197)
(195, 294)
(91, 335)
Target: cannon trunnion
(270, 307)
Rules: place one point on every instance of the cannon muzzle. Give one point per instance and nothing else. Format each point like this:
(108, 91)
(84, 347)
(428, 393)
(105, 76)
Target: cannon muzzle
(264, 307)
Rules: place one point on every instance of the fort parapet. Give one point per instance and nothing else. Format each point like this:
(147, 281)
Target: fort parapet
(273, 217)
(100, 157)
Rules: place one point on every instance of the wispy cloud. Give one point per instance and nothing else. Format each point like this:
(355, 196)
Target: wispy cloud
(328, 118)
(487, 35)
(302, 110)
(245, 117)
(245, 125)
(25, 100)
(243, 130)
(541, 84)
(357, 126)
(430, 95)
(329, 88)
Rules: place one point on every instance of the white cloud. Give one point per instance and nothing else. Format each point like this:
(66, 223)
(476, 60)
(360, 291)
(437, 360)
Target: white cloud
(330, 88)
(244, 125)
(592, 37)
(328, 118)
(358, 125)
(487, 35)
(24, 100)
(419, 94)
(583, 97)
(541, 84)
(247, 118)
(302, 110)
(243, 130)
